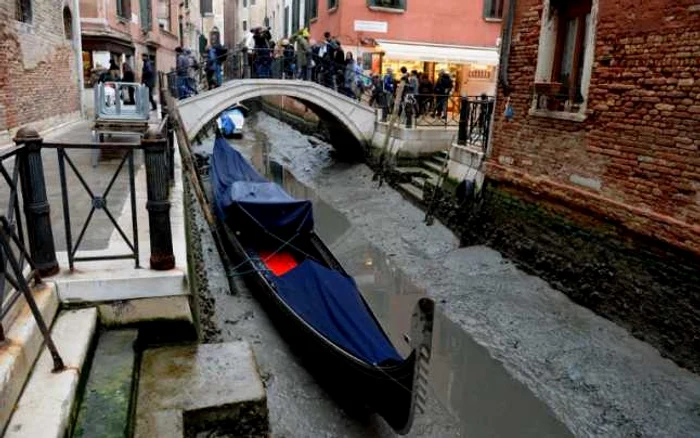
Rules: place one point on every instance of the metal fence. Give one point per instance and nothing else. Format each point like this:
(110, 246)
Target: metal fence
(27, 233)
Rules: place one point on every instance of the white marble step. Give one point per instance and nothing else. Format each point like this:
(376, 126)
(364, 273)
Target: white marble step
(47, 402)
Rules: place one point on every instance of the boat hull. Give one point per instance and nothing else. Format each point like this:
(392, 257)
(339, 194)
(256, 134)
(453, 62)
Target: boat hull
(388, 391)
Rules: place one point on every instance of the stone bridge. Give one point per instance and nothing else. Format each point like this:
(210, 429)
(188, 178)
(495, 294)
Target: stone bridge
(347, 114)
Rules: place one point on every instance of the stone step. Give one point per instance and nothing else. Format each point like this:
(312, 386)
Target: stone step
(106, 405)
(196, 388)
(412, 170)
(439, 158)
(412, 191)
(23, 343)
(432, 167)
(419, 182)
(47, 402)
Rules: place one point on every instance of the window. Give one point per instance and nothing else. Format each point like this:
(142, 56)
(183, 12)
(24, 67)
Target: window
(286, 21)
(24, 11)
(245, 25)
(67, 23)
(206, 7)
(252, 2)
(146, 18)
(164, 14)
(566, 57)
(391, 4)
(245, 3)
(296, 12)
(124, 9)
(332, 4)
(493, 9)
(312, 9)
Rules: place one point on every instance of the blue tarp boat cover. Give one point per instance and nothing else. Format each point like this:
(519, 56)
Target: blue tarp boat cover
(330, 302)
(245, 197)
(326, 299)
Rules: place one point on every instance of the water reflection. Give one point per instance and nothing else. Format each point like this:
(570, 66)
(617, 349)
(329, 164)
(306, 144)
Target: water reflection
(465, 379)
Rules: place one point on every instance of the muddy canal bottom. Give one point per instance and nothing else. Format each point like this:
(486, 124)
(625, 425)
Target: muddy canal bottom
(471, 394)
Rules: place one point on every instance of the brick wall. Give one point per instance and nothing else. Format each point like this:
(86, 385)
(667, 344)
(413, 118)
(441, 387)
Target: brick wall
(634, 160)
(38, 75)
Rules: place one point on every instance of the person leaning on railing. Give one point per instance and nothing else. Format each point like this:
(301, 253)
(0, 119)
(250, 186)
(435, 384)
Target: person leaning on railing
(443, 86)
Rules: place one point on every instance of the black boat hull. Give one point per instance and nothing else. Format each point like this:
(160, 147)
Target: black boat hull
(389, 391)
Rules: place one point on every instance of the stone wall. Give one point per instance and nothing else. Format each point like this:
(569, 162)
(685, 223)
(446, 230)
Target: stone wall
(38, 72)
(646, 286)
(634, 159)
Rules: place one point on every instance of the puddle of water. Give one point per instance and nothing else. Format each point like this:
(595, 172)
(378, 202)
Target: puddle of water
(464, 378)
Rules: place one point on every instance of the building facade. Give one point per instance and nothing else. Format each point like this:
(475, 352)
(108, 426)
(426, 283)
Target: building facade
(39, 66)
(607, 111)
(122, 30)
(593, 179)
(458, 36)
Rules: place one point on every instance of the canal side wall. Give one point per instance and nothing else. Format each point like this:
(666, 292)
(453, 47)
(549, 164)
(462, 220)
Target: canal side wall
(645, 285)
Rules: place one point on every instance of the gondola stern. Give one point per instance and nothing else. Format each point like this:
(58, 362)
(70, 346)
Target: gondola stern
(421, 341)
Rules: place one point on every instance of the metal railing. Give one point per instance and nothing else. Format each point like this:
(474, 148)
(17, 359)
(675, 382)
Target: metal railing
(26, 219)
(417, 110)
(121, 100)
(21, 284)
(99, 201)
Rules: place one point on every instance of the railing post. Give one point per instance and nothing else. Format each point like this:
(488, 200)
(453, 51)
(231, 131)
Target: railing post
(170, 136)
(158, 205)
(36, 204)
(463, 118)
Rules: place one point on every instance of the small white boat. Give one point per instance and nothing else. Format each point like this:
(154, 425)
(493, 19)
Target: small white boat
(231, 121)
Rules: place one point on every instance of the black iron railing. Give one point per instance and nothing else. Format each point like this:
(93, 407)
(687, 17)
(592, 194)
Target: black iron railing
(11, 243)
(99, 200)
(25, 208)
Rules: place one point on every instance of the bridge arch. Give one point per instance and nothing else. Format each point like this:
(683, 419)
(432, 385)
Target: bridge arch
(357, 118)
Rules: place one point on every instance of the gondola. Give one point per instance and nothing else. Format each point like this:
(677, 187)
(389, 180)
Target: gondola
(314, 303)
(231, 121)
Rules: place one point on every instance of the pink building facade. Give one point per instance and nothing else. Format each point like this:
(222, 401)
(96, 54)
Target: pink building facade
(122, 30)
(459, 36)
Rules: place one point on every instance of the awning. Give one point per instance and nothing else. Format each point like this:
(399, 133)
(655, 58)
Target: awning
(439, 53)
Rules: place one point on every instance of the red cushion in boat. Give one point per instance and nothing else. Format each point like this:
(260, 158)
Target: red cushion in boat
(279, 263)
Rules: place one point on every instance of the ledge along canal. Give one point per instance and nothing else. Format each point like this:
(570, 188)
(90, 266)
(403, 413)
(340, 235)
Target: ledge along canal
(511, 356)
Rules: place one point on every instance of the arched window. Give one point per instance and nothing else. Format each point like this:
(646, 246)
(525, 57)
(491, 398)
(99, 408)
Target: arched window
(67, 23)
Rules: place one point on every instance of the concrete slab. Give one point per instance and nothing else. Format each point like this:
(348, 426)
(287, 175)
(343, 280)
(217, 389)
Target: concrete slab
(45, 407)
(94, 283)
(22, 346)
(199, 386)
(120, 313)
(105, 409)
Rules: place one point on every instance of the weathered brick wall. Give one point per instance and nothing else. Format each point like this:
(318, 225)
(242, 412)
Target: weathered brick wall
(38, 74)
(635, 159)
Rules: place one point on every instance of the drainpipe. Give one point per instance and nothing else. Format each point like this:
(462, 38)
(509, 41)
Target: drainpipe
(502, 78)
(78, 49)
(505, 49)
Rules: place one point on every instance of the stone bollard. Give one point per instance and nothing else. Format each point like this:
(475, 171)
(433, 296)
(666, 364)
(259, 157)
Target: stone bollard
(463, 118)
(158, 205)
(36, 204)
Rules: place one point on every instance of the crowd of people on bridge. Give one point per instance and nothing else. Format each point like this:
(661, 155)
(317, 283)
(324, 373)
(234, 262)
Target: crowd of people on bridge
(324, 62)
